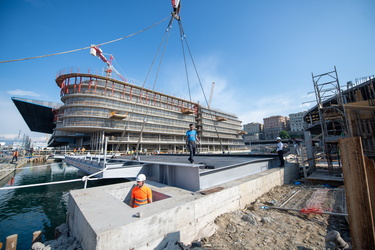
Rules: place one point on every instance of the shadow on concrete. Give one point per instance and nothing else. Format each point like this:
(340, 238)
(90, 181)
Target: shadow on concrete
(171, 237)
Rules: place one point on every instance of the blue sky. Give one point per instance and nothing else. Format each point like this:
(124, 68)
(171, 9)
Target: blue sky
(260, 54)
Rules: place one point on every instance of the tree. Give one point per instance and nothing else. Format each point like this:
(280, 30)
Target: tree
(284, 135)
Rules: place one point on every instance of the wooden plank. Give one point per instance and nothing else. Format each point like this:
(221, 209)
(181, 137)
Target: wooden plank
(357, 193)
(349, 106)
(11, 242)
(358, 96)
(350, 123)
(37, 237)
(370, 171)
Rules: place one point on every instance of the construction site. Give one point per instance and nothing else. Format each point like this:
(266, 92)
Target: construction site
(323, 198)
(331, 205)
(319, 194)
(337, 166)
(315, 201)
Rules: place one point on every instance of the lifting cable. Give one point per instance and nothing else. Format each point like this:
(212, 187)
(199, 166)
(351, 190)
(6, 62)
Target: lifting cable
(37, 166)
(183, 38)
(83, 179)
(40, 184)
(165, 42)
(75, 50)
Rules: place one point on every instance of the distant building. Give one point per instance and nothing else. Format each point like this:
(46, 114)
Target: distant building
(254, 132)
(39, 145)
(18, 145)
(297, 123)
(253, 128)
(273, 125)
(250, 138)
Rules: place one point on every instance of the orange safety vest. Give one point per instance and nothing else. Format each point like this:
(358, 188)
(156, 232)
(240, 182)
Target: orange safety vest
(141, 195)
(15, 153)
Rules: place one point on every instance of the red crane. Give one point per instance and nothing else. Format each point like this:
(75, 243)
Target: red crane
(96, 51)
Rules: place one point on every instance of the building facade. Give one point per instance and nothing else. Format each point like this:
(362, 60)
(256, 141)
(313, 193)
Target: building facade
(253, 128)
(297, 122)
(96, 107)
(273, 125)
(254, 132)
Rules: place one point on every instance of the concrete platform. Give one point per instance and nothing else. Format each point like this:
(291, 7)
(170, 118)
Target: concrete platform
(101, 218)
(173, 170)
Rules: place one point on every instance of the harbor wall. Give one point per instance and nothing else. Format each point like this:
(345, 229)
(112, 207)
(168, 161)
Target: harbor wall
(101, 218)
(9, 168)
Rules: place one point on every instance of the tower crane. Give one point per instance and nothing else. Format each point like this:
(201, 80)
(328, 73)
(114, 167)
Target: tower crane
(211, 93)
(96, 51)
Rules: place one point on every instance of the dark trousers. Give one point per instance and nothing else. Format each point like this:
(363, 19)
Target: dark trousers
(281, 157)
(14, 158)
(192, 146)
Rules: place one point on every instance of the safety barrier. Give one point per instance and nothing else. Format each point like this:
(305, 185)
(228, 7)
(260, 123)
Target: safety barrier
(83, 179)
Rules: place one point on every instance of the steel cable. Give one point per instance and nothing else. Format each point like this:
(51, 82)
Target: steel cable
(75, 50)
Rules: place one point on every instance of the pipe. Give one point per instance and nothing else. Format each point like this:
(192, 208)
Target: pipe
(335, 237)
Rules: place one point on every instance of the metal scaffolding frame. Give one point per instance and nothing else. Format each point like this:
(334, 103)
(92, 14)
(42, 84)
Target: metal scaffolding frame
(332, 116)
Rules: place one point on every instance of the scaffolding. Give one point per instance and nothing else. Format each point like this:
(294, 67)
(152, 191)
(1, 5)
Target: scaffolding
(332, 115)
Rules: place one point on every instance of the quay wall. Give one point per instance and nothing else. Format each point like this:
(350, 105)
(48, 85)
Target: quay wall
(8, 168)
(101, 219)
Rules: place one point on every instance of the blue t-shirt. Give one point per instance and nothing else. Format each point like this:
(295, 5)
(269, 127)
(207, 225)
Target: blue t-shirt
(191, 134)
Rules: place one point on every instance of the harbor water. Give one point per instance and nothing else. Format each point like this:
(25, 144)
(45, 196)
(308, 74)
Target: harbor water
(26, 210)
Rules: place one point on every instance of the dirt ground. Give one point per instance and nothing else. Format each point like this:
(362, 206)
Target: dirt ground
(256, 228)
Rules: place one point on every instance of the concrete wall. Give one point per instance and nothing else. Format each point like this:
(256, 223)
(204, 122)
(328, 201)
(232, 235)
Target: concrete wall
(100, 218)
(9, 168)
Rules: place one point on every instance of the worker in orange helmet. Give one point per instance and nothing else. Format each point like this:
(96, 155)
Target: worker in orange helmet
(141, 194)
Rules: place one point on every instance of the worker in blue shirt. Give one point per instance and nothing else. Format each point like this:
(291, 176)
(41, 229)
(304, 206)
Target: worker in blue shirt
(191, 142)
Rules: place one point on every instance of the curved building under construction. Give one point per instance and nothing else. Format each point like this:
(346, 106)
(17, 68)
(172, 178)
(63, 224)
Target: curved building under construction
(95, 107)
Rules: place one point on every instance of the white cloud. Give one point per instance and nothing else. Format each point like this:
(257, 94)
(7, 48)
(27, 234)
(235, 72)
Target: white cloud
(8, 136)
(273, 105)
(20, 92)
(35, 137)
(250, 102)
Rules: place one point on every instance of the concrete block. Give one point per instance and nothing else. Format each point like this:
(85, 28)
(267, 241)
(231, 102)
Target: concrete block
(100, 218)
